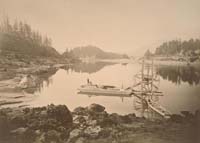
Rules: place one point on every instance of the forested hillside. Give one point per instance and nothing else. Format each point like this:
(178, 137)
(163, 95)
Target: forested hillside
(18, 38)
(93, 51)
(178, 47)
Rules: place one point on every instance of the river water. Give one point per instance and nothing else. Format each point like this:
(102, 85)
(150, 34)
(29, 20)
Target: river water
(180, 85)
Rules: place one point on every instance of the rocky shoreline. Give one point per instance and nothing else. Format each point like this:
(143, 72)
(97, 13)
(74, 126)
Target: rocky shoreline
(20, 78)
(92, 124)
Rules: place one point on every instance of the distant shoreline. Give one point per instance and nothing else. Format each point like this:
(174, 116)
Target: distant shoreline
(172, 62)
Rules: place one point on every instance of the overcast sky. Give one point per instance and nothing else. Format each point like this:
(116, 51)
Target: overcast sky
(127, 26)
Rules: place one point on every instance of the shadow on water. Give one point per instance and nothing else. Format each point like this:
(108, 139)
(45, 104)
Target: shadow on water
(179, 74)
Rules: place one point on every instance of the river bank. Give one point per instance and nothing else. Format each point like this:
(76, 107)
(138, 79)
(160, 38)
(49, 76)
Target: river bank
(92, 124)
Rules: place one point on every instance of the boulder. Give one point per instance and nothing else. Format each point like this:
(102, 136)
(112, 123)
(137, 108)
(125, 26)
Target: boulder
(74, 133)
(99, 116)
(79, 119)
(105, 132)
(115, 118)
(80, 140)
(28, 124)
(61, 113)
(92, 131)
(92, 122)
(176, 118)
(52, 136)
(80, 111)
(19, 131)
(96, 108)
(110, 120)
(128, 118)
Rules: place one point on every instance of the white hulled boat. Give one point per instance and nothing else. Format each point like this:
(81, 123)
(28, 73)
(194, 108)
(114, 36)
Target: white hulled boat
(104, 89)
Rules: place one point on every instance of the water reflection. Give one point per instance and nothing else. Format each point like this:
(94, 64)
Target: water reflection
(179, 74)
(89, 67)
(44, 80)
(61, 88)
(140, 106)
(105, 95)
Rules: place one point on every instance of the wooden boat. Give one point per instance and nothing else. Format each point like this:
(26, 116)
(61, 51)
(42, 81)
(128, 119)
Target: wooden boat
(104, 90)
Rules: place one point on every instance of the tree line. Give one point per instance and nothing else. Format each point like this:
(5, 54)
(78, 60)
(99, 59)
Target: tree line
(93, 51)
(178, 47)
(19, 38)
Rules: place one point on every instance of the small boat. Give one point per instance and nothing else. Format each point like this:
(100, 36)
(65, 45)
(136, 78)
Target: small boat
(104, 90)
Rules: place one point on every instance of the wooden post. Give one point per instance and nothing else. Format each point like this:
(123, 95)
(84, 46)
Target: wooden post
(152, 78)
(142, 76)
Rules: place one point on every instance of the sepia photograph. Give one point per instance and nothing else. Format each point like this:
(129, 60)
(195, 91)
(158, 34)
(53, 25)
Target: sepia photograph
(99, 71)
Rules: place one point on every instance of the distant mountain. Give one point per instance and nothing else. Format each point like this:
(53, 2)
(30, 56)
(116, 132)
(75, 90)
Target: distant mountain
(93, 51)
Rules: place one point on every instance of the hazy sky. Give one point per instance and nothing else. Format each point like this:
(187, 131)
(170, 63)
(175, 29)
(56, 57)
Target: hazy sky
(127, 26)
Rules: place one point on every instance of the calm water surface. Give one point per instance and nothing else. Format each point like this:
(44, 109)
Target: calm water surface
(181, 92)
